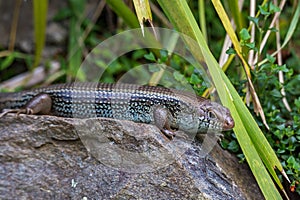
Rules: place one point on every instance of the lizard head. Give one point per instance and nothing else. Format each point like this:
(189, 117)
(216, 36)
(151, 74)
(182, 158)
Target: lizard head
(215, 116)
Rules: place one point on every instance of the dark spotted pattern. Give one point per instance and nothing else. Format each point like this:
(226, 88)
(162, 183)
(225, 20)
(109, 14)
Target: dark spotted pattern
(124, 101)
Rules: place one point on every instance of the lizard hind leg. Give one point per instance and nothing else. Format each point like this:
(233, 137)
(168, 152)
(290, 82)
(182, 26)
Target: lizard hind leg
(39, 104)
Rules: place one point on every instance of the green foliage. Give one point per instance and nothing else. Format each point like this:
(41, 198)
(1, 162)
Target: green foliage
(284, 133)
(284, 125)
(268, 9)
(150, 57)
(183, 70)
(244, 35)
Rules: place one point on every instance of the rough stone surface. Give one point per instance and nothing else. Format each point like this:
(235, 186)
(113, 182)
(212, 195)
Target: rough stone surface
(45, 157)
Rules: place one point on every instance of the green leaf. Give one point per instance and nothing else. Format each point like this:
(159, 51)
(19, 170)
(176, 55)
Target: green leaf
(276, 93)
(7, 61)
(255, 20)
(163, 55)
(233, 146)
(264, 10)
(195, 79)
(231, 51)
(150, 57)
(297, 103)
(291, 160)
(273, 9)
(282, 68)
(271, 59)
(251, 45)
(138, 54)
(244, 34)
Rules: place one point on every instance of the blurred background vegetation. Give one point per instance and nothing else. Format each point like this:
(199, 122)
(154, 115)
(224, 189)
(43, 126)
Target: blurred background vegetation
(48, 43)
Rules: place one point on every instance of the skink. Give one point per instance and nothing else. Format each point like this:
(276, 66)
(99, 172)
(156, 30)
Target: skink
(168, 109)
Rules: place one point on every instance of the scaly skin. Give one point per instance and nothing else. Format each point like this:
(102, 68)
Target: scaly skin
(166, 108)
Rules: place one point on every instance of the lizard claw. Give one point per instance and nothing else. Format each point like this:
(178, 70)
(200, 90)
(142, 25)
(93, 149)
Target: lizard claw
(6, 111)
(168, 133)
(17, 111)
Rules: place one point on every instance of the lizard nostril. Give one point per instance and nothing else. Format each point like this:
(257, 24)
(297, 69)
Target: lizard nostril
(228, 123)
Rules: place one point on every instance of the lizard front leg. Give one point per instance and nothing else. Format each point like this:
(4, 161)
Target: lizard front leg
(162, 119)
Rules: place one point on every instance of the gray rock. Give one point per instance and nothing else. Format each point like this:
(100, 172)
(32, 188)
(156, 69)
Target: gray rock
(58, 158)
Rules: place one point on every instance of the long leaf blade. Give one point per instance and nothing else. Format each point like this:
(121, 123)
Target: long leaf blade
(40, 8)
(184, 21)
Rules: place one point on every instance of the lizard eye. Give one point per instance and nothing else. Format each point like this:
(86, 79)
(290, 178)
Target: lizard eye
(212, 115)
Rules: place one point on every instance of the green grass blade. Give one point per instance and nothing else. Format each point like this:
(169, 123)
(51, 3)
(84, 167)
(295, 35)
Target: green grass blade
(293, 25)
(181, 17)
(75, 49)
(263, 147)
(202, 19)
(143, 11)
(40, 8)
(124, 12)
(75, 44)
(236, 14)
(289, 34)
(260, 142)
